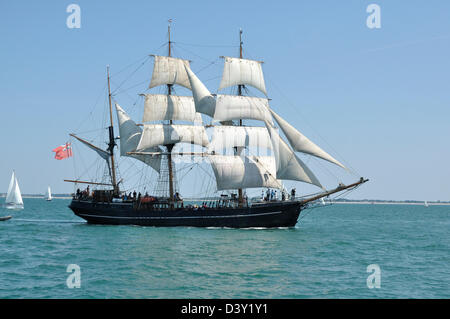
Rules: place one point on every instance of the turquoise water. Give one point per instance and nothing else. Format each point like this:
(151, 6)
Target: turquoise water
(325, 256)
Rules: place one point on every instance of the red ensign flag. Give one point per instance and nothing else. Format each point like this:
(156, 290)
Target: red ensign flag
(63, 151)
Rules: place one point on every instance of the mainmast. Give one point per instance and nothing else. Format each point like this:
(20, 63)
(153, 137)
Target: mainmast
(170, 146)
(240, 197)
(112, 141)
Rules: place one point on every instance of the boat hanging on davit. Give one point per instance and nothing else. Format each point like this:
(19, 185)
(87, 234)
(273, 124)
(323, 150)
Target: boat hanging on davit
(233, 153)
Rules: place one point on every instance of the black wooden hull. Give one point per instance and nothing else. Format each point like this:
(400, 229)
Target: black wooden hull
(273, 214)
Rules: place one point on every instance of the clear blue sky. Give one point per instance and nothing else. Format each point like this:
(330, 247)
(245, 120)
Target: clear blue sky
(379, 97)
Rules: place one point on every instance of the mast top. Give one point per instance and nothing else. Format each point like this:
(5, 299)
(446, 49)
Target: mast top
(168, 29)
(240, 43)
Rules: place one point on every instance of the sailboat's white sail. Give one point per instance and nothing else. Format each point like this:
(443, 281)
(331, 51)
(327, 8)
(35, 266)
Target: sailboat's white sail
(234, 107)
(160, 107)
(166, 134)
(168, 70)
(130, 134)
(226, 137)
(102, 153)
(227, 107)
(204, 101)
(48, 194)
(301, 143)
(14, 197)
(242, 72)
(289, 166)
(234, 172)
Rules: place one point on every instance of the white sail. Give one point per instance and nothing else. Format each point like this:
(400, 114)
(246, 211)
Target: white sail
(240, 136)
(301, 143)
(227, 107)
(204, 101)
(289, 166)
(14, 197)
(48, 194)
(166, 134)
(130, 134)
(233, 107)
(242, 72)
(102, 153)
(10, 193)
(162, 107)
(234, 172)
(168, 70)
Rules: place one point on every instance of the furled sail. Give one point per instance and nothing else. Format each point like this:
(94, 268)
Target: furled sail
(242, 72)
(14, 197)
(240, 136)
(102, 153)
(168, 70)
(289, 166)
(234, 172)
(301, 143)
(166, 134)
(130, 134)
(162, 107)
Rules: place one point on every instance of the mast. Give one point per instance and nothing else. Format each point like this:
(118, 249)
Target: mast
(112, 141)
(170, 147)
(240, 196)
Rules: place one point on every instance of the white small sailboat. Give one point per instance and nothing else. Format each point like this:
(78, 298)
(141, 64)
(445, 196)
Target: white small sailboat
(48, 195)
(322, 201)
(425, 204)
(14, 197)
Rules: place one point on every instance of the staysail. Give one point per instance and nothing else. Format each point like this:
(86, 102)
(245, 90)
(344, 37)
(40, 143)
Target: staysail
(301, 143)
(227, 107)
(130, 134)
(289, 166)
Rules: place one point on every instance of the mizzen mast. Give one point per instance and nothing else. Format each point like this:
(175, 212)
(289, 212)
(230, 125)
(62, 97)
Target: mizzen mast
(112, 141)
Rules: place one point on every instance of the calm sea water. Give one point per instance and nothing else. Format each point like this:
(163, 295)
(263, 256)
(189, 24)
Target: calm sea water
(325, 256)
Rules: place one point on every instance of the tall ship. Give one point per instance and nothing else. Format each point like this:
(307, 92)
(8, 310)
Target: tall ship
(234, 139)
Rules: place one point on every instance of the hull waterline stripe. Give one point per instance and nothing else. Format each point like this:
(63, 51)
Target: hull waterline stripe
(180, 217)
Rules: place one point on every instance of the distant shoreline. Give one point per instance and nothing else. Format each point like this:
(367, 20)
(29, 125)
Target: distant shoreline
(388, 203)
(42, 196)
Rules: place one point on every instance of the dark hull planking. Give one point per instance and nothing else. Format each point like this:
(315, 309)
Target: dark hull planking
(268, 215)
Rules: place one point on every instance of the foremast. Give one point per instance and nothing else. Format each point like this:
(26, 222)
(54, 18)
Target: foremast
(240, 86)
(170, 146)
